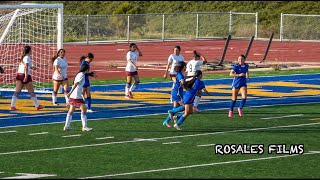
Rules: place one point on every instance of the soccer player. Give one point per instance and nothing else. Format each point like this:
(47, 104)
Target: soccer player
(60, 76)
(86, 87)
(173, 60)
(240, 72)
(192, 86)
(77, 99)
(132, 70)
(192, 66)
(177, 91)
(24, 79)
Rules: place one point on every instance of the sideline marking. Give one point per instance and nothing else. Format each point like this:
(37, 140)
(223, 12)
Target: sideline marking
(3, 132)
(154, 139)
(172, 142)
(110, 137)
(201, 145)
(29, 176)
(75, 135)
(199, 165)
(294, 115)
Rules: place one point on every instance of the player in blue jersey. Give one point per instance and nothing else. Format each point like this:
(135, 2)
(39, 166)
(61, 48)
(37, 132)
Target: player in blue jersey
(86, 87)
(240, 72)
(177, 91)
(192, 86)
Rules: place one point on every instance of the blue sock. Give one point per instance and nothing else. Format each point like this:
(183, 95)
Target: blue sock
(242, 103)
(167, 120)
(232, 104)
(180, 121)
(89, 102)
(178, 117)
(177, 109)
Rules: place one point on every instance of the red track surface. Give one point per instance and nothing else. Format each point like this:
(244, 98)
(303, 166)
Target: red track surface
(157, 53)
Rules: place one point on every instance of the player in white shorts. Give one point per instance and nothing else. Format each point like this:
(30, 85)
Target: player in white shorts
(60, 76)
(132, 70)
(77, 99)
(192, 66)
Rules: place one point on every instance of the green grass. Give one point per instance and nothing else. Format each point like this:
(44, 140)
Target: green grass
(124, 155)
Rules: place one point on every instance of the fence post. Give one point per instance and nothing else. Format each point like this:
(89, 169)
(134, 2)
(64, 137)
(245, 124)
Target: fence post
(256, 33)
(230, 24)
(197, 28)
(87, 32)
(163, 27)
(281, 27)
(128, 29)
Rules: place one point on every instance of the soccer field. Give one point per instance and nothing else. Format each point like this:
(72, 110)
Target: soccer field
(133, 143)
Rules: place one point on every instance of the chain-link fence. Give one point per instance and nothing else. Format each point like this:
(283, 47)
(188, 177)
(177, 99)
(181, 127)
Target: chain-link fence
(128, 27)
(300, 27)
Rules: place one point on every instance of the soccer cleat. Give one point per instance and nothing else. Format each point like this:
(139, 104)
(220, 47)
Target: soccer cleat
(230, 114)
(40, 107)
(67, 128)
(170, 114)
(240, 112)
(55, 104)
(177, 127)
(67, 105)
(167, 124)
(195, 109)
(130, 95)
(13, 109)
(86, 129)
(89, 110)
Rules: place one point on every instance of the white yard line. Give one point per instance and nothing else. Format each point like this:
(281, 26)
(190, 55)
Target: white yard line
(75, 135)
(198, 165)
(172, 142)
(110, 137)
(38, 133)
(154, 139)
(204, 145)
(280, 117)
(3, 132)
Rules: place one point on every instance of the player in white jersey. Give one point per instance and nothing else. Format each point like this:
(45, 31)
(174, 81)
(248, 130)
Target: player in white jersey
(192, 66)
(24, 79)
(173, 60)
(77, 99)
(132, 70)
(60, 76)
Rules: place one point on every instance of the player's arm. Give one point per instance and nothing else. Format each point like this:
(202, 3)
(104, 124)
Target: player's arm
(204, 60)
(72, 89)
(132, 64)
(140, 53)
(247, 75)
(207, 92)
(167, 68)
(58, 71)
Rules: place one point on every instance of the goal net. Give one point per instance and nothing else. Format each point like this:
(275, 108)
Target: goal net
(37, 25)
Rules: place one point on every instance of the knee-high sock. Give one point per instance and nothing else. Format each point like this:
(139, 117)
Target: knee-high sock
(177, 109)
(133, 86)
(34, 99)
(66, 97)
(54, 97)
(180, 121)
(13, 101)
(232, 104)
(127, 88)
(68, 120)
(167, 119)
(84, 120)
(196, 101)
(89, 102)
(242, 103)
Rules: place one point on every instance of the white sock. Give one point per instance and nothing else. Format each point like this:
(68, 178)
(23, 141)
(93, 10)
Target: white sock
(127, 89)
(35, 101)
(133, 86)
(68, 120)
(54, 98)
(13, 101)
(66, 97)
(196, 101)
(84, 120)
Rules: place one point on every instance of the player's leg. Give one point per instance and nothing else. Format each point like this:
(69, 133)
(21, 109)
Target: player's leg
(88, 99)
(197, 101)
(84, 118)
(233, 101)
(243, 91)
(65, 85)
(187, 112)
(134, 85)
(128, 84)
(19, 86)
(33, 96)
(69, 116)
(56, 86)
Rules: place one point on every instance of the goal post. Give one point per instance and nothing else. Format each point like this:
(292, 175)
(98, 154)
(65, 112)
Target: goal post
(37, 25)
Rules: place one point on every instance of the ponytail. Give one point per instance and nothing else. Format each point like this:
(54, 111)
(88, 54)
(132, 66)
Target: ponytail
(26, 50)
(189, 84)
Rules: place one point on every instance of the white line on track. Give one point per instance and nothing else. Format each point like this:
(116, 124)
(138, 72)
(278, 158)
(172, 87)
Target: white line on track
(38, 133)
(153, 139)
(110, 137)
(75, 135)
(199, 165)
(280, 117)
(204, 145)
(172, 142)
(3, 132)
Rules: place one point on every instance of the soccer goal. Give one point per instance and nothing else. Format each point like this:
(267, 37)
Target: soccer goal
(37, 25)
